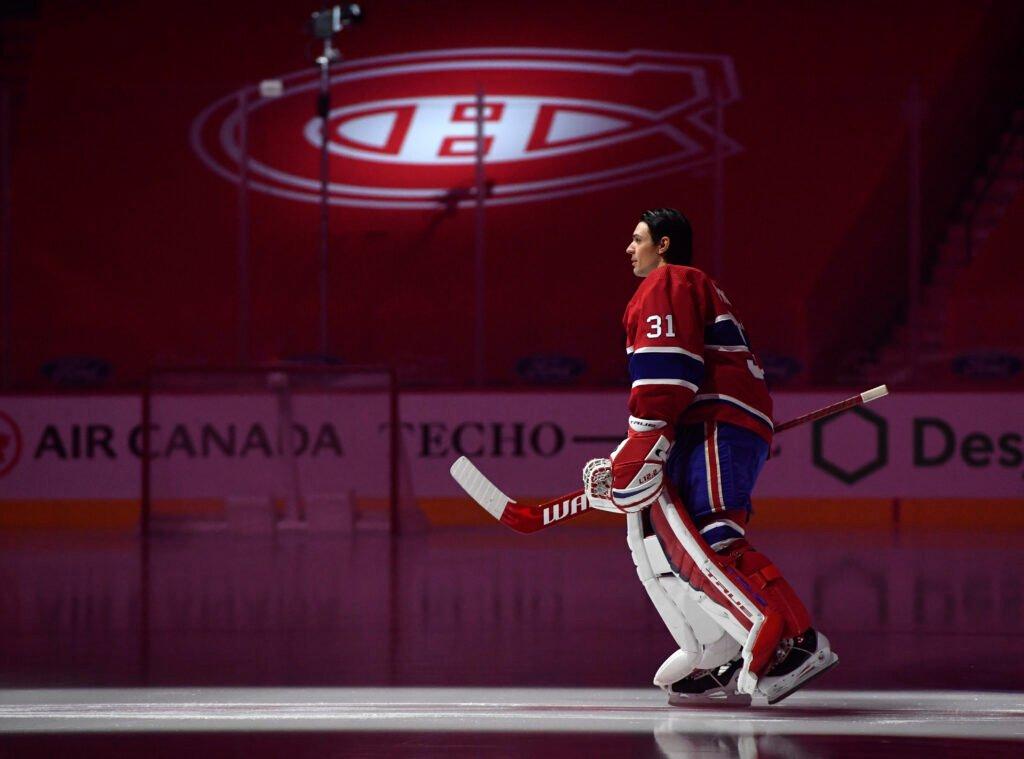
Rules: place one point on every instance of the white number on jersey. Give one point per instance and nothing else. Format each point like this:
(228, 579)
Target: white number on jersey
(656, 328)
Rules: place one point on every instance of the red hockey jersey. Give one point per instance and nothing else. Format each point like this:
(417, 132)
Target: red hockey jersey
(689, 358)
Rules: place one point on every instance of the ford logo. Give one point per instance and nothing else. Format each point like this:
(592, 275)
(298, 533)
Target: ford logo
(987, 365)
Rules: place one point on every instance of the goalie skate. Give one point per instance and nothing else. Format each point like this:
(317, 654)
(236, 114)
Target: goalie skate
(710, 687)
(807, 657)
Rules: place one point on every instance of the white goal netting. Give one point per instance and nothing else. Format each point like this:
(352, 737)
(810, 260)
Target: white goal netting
(271, 448)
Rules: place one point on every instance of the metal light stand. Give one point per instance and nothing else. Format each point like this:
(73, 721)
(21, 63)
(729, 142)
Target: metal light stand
(323, 107)
(324, 25)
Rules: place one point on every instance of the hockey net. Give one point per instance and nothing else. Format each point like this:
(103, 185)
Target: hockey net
(271, 448)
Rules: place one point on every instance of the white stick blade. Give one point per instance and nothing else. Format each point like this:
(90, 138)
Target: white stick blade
(479, 488)
(874, 394)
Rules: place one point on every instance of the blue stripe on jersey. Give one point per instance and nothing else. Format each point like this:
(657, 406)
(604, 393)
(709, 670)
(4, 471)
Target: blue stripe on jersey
(654, 366)
(725, 332)
(719, 533)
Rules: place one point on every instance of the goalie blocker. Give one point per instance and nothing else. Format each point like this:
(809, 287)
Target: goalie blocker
(638, 464)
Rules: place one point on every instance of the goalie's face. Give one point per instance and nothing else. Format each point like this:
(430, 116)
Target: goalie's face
(643, 253)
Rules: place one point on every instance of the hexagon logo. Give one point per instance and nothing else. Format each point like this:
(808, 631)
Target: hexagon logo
(852, 469)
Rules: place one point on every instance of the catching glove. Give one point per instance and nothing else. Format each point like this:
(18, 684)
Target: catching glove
(597, 484)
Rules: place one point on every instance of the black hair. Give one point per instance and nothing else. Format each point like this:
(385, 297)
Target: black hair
(668, 222)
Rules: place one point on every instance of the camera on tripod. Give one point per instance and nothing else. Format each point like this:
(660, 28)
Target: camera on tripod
(326, 23)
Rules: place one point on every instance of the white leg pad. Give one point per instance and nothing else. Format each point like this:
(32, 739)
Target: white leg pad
(670, 613)
(675, 667)
(702, 641)
(706, 628)
(720, 652)
(747, 682)
(681, 663)
(722, 616)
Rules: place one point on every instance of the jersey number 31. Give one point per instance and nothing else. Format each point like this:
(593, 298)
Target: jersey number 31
(656, 326)
(665, 327)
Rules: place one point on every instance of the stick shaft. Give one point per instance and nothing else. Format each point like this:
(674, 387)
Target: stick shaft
(527, 518)
(857, 400)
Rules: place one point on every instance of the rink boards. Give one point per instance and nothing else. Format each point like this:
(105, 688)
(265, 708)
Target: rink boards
(921, 458)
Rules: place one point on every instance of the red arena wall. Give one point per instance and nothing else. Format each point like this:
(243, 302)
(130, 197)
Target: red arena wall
(126, 238)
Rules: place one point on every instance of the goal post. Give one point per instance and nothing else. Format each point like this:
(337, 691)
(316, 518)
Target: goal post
(269, 448)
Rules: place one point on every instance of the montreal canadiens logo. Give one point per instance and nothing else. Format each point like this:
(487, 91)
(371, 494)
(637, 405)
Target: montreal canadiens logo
(10, 443)
(402, 129)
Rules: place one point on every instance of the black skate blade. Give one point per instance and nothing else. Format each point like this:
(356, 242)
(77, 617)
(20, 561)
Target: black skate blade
(810, 679)
(734, 700)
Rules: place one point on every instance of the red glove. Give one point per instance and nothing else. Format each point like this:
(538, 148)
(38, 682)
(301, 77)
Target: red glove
(638, 464)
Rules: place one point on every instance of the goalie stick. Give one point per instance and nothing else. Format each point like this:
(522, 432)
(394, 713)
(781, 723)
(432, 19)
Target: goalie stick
(857, 400)
(527, 518)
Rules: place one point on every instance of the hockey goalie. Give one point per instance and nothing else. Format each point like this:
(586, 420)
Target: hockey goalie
(699, 432)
